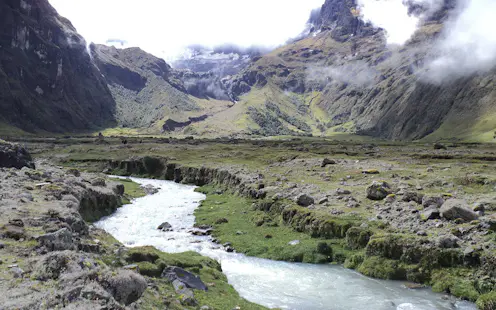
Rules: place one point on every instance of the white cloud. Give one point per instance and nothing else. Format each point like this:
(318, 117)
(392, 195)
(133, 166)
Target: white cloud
(165, 27)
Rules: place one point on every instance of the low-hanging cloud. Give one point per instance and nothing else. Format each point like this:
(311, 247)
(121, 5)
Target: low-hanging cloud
(357, 73)
(468, 44)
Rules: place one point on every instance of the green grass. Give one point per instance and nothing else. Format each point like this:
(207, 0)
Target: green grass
(256, 233)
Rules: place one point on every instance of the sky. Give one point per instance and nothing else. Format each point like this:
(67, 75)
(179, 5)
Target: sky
(165, 27)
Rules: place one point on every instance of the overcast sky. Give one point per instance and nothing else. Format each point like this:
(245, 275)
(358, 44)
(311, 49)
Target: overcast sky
(164, 27)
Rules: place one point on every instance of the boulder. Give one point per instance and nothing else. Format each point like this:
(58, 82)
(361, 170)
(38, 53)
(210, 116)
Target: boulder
(454, 209)
(413, 196)
(428, 201)
(304, 200)
(327, 162)
(150, 189)
(58, 241)
(13, 232)
(124, 285)
(378, 190)
(187, 297)
(98, 182)
(431, 213)
(165, 226)
(186, 277)
(14, 156)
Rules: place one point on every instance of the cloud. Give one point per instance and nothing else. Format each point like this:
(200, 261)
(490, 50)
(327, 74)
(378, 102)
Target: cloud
(165, 27)
(356, 73)
(468, 44)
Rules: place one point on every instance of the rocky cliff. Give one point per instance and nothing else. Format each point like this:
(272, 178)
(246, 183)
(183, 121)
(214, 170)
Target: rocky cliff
(47, 79)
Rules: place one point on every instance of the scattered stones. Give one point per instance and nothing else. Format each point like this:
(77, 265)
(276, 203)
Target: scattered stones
(454, 209)
(57, 241)
(327, 162)
(165, 227)
(378, 190)
(304, 200)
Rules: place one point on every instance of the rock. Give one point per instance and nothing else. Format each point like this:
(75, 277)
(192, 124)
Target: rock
(436, 201)
(17, 272)
(26, 196)
(14, 156)
(479, 207)
(186, 295)
(447, 241)
(439, 146)
(99, 182)
(371, 171)
(165, 226)
(322, 201)
(327, 162)
(124, 285)
(94, 291)
(431, 213)
(413, 196)
(454, 209)
(340, 192)
(189, 279)
(378, 190)
(13, 232)
(304, 200)
(221, 221)
(268, 236)
(74, 172)
(294, 242)
(57, 241)
(2, 246)
(229, 249)
(390, 198)
(421, 233)
(150, 189)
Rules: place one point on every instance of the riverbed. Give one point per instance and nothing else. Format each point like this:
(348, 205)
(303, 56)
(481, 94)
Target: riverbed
(266, 282)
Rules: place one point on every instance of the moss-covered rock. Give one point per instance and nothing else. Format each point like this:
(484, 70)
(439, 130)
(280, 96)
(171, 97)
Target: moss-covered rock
(357, 237)
(378, 267)
(487, 301)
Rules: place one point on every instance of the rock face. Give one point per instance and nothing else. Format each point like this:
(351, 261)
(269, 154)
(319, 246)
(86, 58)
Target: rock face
(454, 209)
(47, 78)
(14, 156)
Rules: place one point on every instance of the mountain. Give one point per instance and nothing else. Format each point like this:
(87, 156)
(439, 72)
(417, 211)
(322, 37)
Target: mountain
(47, 79)
(344, 77)
(151, 95)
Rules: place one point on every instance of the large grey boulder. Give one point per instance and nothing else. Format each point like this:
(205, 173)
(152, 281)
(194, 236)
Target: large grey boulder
(125, 286)
(429, 201)
(14, 156)
(378, 191)
(58, 241)
(454, 209)
(189, 279)
(304, 200)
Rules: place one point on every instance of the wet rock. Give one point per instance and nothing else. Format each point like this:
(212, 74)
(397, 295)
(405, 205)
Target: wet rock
(150, 189)
(454, 209)
(447, 241)
(229, 249)
(378, 190)
(57, 241)
(189, 279)
(165, 226)
(431, 213)
(124, 285)
(304, 200)
(327, 162)
(436, 201)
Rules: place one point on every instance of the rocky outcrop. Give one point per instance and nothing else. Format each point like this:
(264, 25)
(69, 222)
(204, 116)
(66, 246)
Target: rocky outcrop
(47, 79)
(14, 156)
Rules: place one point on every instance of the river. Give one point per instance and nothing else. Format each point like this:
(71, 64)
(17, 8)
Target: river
(266, 282)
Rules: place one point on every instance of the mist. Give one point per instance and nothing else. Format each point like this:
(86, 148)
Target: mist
(468, 44)
(357, 73)
(165, 27)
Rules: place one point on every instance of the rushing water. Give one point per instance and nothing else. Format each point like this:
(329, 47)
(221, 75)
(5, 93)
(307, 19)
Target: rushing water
(269, 283)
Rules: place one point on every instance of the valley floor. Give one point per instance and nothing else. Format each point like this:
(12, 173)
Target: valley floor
(413, 212)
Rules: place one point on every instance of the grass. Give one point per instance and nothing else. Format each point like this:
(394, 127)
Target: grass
(256, 233)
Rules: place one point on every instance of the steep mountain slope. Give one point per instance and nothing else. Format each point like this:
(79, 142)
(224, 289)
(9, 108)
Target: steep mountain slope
(150, 94)
(47, 79)
(360, 84)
